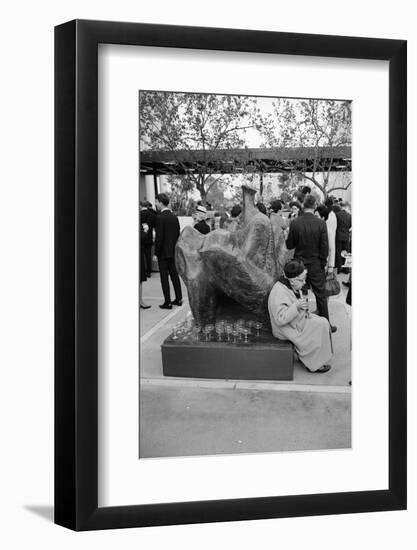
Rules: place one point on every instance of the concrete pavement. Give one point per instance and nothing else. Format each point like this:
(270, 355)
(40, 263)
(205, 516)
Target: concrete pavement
(185, 417)
(190, 421)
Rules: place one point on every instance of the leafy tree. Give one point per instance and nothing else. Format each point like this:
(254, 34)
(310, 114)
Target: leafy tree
(310, 123)
(185, 123)
(215, 196)
(179, 197)
(289, 182)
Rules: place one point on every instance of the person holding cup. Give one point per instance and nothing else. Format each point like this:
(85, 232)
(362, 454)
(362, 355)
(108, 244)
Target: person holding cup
(291, 319)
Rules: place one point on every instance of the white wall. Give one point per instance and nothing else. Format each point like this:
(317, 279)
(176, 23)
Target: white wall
(147, 188)
(27, 273)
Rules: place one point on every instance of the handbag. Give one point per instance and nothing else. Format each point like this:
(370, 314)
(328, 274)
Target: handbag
(332, 285)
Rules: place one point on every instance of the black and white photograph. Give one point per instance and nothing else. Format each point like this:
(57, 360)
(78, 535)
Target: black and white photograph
(245, 274)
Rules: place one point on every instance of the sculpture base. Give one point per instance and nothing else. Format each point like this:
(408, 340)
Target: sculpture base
(266, 359)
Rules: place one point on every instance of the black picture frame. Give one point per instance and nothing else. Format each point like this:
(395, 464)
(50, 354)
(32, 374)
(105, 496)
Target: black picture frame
(76, 272)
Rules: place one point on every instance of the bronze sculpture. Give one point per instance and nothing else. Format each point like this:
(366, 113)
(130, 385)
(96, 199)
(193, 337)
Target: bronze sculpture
(241, 265)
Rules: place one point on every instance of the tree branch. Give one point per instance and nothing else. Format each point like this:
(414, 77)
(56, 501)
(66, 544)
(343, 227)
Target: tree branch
(227, 131)
(212, 183)
(296, 171)
(341, 188)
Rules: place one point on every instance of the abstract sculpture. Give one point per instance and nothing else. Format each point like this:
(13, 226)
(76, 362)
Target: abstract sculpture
(241, 265)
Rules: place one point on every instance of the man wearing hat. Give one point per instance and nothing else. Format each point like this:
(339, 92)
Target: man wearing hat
(291, 320)
(200, 217)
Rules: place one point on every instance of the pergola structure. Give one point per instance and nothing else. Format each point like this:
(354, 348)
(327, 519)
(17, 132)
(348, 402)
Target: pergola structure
(236, 161)
(229, 161)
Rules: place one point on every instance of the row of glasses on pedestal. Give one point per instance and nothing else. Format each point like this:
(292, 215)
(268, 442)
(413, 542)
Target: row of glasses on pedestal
(186, 330)
(221, 331)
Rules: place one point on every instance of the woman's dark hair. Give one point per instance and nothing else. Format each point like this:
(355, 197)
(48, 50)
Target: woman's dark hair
(295, 203)
(235, 211)
(329, 203)
(300, 197)
(293, 268)
(261, 207)
(306, 190)
(276, 205)
(323, 211)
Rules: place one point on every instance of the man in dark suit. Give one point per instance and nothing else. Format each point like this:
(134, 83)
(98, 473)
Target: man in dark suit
(148, 217)
(344, 223)
(308, 235)
(167, 233)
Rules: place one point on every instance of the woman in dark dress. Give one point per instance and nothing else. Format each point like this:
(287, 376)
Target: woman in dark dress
(142, 264)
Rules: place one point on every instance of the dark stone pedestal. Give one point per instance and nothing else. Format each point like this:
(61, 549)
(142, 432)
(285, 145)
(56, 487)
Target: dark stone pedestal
(265, 358)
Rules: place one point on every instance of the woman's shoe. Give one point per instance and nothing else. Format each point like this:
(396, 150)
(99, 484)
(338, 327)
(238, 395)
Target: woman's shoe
(166, 306)
(324, 368)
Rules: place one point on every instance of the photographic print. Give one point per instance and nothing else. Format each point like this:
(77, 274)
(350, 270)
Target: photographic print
(245, 274)
(223, 211)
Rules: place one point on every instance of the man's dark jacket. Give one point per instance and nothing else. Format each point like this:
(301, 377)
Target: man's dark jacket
(167, 233)
(147, 216)
(308, 235)
(203, 227)
(344, 222)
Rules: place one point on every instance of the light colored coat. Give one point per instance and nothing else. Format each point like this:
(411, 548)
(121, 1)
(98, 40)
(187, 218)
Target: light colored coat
(309, 333)
(331, 223)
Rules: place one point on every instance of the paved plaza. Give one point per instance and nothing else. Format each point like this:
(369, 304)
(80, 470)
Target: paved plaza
(188, 417)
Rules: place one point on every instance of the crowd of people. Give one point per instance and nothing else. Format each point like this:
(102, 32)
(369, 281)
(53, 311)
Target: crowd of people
(317, 238)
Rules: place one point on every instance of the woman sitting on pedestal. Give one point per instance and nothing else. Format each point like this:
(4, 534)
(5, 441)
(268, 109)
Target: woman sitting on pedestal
(291, 319)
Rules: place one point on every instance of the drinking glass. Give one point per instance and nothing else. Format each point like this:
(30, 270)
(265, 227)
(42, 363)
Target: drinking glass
(207, 331)
(198, 330)
(242, 329)
(175, 331)
(219, 331)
